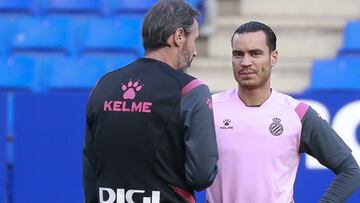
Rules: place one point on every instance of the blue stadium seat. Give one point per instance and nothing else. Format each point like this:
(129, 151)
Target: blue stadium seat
(119, 61)
(340, 73)
(199, 5)
(116, 35)
(196, 3)
(18, 73)
(49, 132)
(138, 6)
(113, 60)
(6, 26)
(351, 39)
(3, 122)
(72, 73)
(49, 36)
(17, 6)
(130, 6)
(72, 6)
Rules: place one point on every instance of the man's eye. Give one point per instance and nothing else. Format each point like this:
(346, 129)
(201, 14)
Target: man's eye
(237, 54)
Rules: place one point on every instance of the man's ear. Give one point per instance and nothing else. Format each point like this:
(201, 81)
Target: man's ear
(179, 36)
(274, 58)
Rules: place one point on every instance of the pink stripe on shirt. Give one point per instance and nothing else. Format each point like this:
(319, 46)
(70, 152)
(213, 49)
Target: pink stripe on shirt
(184, 194)
(191, 85)
(301, 109)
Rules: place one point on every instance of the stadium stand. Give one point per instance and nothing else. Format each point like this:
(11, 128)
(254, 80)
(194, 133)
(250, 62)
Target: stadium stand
(121, 34)
(72, 73)
(351, 39)
(198, 4)
(343, 71)
(137, 7)
(41, 36)
(17, 7)
(3, 117)
(118, 61)
(83, 7)
(4, 30)
(339, 73)
(129, 6)
(47, 161)
(18, 73)
(79, 73)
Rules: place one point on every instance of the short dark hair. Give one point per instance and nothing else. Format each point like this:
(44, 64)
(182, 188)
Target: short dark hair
(254, 26)
(163, 19)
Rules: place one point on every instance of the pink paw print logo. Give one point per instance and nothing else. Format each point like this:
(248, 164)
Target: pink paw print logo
(209, 103)
(130, 89)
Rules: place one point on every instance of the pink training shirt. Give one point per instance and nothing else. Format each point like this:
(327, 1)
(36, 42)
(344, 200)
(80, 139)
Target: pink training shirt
(258, 149)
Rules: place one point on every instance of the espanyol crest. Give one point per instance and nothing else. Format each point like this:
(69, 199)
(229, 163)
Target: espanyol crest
(276, 128)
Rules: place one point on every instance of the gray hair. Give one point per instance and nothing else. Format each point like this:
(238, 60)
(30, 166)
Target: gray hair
(163, 19)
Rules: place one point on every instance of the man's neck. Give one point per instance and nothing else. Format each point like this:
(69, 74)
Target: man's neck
(254, 97)
(165, 55)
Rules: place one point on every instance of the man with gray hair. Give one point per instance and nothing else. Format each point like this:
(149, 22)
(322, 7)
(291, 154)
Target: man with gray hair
(149, 126)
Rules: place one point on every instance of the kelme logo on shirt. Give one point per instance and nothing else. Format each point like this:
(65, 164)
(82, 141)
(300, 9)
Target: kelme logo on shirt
(226, 124)
(276, 128)
(209, 103)
(130, 90)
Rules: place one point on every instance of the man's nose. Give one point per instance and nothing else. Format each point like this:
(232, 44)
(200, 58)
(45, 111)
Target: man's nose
(245, 61)
(195, 52)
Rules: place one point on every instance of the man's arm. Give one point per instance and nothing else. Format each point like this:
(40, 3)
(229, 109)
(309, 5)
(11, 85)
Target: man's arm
(89, 164)
(319, 140)
(347, 175)
(200, 140)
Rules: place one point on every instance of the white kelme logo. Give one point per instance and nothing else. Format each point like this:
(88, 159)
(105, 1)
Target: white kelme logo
(126, 197)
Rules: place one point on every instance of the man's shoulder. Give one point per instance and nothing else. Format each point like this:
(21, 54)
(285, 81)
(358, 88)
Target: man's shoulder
(181, 77)
(224, 96)
(285, 100)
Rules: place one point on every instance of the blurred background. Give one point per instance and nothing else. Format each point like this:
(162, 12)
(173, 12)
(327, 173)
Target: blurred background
(53, 51)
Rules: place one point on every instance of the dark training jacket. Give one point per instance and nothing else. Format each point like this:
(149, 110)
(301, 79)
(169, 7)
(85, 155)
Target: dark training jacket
(149, 136)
